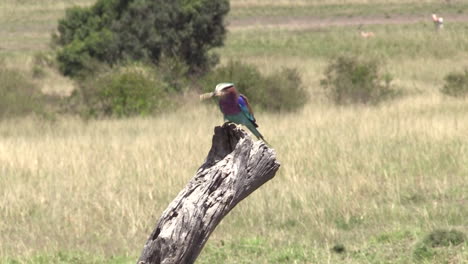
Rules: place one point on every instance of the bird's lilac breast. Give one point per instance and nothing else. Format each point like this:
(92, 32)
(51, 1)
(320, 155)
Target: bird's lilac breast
(229, 105)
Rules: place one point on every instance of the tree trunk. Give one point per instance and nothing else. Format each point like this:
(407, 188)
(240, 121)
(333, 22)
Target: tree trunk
(235, 167)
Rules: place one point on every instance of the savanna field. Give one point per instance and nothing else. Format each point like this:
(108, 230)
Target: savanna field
(357, 184)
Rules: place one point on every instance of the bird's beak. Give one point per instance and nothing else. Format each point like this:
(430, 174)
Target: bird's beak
(206, 96)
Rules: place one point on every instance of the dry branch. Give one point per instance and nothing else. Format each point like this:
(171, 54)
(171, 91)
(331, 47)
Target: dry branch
(234, 168)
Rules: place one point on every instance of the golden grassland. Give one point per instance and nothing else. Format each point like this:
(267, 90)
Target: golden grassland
(26, 25)
(348, 175)
(374, 179)
(236, 3)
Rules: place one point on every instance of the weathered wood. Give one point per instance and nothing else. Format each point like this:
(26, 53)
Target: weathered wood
(234, 168)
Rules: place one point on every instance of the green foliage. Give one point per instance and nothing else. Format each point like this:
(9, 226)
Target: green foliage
(19, 96)
(456, 84)
(123, 91)
(113, 31)
(426, 249)
(422, 252)
(174, 72)
(280, 91)
(352, 80)
(444, 238)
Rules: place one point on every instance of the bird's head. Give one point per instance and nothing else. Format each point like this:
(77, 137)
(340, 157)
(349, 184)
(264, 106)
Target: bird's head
(220, 90)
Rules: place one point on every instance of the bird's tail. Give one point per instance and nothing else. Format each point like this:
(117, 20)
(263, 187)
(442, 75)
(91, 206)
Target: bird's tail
(254, 130)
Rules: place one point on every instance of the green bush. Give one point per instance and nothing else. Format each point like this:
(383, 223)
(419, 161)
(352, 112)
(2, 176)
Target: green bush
(456, 84)
(444, 238)
(19, 96)
(115, 31)
(123, 91)
(351, 80)
(280, 91)
(174, 72)
(425, 249)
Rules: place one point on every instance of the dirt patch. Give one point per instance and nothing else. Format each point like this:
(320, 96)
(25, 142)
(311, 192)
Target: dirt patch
(316, 22)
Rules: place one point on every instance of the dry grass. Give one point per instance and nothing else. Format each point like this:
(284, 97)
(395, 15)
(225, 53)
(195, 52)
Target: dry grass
(77, 182)
(288, 3)
(349, 175)
(27, 25)
(52, 82)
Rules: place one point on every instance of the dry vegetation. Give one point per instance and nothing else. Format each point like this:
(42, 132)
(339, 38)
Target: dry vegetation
(236, 3)
(375, 180)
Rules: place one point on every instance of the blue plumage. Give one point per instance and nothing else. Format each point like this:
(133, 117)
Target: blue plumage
(245, 109)
(235, 107)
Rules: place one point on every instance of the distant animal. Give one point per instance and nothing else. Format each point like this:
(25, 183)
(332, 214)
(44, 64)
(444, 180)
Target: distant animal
(235, 107)
(365, 34)
(368, 34)
(438, 21)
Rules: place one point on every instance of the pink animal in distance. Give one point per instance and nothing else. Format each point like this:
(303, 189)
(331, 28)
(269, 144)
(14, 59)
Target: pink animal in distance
(368, 34)
(438, 21)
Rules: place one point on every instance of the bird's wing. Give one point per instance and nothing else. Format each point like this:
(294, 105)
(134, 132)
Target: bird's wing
(246, 109)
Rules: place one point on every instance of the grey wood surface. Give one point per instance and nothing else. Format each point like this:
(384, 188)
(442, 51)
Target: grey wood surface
(234, 168)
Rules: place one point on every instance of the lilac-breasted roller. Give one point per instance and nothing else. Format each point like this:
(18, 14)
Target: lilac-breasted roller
(235, 107)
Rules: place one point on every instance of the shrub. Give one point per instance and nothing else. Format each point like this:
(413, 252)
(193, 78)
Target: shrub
(114, 31)
(174, 72)
(281, 91)
(350, 80)
(19, 96)
(456, 84)
(123, 91)
(444, 238)
(437, 238)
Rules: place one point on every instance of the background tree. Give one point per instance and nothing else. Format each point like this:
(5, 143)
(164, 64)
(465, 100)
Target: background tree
(113, 31)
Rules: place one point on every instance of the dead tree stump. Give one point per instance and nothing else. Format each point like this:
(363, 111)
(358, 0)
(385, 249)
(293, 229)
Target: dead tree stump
(234, 168)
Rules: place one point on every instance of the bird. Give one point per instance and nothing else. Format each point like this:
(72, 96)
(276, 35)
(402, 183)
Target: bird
(235, 107)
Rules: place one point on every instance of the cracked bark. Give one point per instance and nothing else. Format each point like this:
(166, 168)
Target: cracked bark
(234, 168)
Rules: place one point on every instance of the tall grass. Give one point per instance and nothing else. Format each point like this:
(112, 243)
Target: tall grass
(100, 186)
(370, 180)
(323, 2)
(416, 55)
(27, 25)
(399, 42)
(354, 9)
